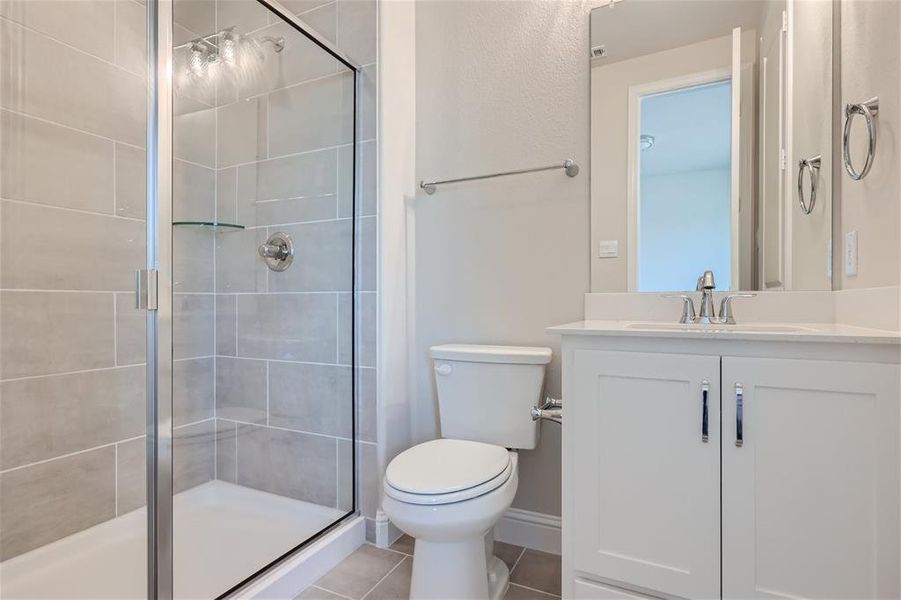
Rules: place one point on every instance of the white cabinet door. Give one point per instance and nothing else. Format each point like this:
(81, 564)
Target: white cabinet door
(810, 497)
(645, 485)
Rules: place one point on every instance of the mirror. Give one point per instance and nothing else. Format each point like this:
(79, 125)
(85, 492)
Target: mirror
(708, 117)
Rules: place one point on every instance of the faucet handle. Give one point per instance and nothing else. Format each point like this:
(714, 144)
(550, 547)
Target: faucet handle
(726, 307)
(688, 307)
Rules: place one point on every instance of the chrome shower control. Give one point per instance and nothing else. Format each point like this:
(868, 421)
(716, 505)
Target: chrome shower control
(278, 251)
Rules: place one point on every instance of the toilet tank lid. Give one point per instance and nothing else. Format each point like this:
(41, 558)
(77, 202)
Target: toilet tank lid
(524, 355)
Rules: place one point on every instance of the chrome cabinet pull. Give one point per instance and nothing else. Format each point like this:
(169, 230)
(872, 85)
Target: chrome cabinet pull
(705, 390)
(739, 416)
(869, 110)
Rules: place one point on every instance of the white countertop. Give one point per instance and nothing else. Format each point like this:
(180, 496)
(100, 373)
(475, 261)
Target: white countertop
(786, 332)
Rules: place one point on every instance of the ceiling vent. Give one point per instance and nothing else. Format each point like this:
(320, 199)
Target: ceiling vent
(599, 52)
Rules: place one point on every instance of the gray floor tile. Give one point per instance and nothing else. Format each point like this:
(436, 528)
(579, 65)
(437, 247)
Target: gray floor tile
(507, 553)
(396, 586)
(360, 572)
(403, 544)
(517, 592)
(539, 571)
(315, 593)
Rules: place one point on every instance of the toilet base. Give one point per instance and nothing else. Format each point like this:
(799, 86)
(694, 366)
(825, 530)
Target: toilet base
(443, 570)
(498, 578)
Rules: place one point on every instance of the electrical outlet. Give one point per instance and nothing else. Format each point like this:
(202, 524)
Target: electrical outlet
(608, 249)
(851, 254)
(829, 258)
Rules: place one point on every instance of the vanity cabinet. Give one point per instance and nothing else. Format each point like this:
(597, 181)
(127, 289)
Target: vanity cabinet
(810, 498)
(802, 503)
(646, 487)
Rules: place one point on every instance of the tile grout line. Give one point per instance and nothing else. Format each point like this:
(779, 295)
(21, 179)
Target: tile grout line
(142, 364)
(47, 121)
(393, 569)
(531, 589)
(74, 210)
(52, 38)
(99, 447)
(330, 592)
(291, 154)
(301, 431)
(516, 562)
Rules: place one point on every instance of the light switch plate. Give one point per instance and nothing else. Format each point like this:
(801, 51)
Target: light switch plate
(851, 254)
(608, 249)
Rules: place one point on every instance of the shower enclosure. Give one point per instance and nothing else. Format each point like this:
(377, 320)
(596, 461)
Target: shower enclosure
(176, 294)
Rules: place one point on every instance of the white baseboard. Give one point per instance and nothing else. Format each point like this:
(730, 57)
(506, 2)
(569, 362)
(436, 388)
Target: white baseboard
(307, 566)
(386, 532)
(529, 529)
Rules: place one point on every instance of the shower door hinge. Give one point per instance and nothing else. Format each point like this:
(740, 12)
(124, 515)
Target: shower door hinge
(146, 284)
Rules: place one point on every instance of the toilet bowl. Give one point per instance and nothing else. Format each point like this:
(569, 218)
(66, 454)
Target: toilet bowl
(448, 494)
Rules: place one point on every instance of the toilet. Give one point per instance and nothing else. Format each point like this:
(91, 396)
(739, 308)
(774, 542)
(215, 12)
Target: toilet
(449, 493)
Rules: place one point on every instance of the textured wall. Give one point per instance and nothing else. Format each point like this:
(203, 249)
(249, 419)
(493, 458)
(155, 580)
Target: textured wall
(500, 85)
(871, 52)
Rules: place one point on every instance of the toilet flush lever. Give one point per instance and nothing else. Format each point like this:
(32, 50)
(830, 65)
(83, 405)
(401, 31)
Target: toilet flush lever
(551, 410)
(444, 369)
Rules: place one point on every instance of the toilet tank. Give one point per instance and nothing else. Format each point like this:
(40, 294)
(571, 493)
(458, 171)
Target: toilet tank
(486, 393)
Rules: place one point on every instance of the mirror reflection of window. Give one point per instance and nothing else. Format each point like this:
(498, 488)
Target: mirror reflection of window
(684, 204)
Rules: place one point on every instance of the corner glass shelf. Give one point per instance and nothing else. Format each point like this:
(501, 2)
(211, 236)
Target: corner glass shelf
(211, 225)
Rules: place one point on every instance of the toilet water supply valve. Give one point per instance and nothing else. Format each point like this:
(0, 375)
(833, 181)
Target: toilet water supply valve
(551, 410)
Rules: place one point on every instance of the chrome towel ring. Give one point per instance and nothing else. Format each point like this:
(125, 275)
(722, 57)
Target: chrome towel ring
(813, 166)
(869, 110)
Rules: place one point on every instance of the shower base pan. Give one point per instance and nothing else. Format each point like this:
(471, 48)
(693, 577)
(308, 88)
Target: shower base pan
(223, 534)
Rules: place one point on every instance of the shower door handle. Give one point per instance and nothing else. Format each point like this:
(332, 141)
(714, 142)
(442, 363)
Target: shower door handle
(146, 283)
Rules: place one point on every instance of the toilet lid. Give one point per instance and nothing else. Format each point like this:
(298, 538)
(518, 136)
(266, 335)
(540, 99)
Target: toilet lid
(445, 466)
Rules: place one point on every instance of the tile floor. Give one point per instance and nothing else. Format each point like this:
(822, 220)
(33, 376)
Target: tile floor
(372, 573)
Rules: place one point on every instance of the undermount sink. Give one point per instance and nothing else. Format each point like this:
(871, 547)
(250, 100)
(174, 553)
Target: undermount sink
(718, 327)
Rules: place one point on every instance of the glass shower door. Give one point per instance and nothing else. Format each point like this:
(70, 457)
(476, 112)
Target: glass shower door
(262, 289)
(72, 342)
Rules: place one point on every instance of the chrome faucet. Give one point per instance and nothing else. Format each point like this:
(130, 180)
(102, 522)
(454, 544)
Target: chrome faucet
(706, 285)
(707, 314)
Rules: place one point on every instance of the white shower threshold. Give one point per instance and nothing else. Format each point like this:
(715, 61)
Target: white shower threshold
(223, 534)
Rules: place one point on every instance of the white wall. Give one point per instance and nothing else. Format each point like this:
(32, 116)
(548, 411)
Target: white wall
(871, 52)
(500, 85)
(396, 178)
(811, 30)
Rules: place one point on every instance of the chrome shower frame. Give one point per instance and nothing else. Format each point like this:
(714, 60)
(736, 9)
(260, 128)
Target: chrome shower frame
(159, 321)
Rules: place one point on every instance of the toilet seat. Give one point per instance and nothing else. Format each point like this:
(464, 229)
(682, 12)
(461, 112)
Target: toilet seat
(445, 471)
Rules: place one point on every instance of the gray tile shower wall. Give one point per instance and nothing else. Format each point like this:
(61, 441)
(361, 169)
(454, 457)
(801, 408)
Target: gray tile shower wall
(256, 401)
(72, 373)
(283, 340)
